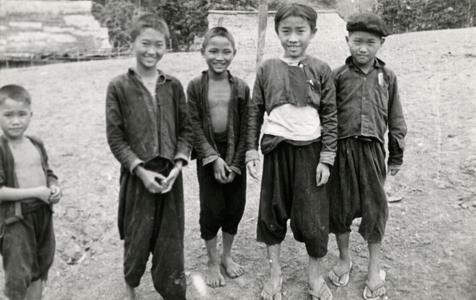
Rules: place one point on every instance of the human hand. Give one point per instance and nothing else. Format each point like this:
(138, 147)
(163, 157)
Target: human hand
(393, 169)
(231, 176)
(43, 193)
(170, 180)
(220, 169)
(56, 194)
(153, 181)
(322, 174)
(252, 167)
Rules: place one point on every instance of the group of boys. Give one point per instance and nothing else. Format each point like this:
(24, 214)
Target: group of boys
(323, 146)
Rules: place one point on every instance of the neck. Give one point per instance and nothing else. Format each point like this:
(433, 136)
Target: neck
(217, 76)
(294, 59)
(365, 68)
(15, 140)
(146, 72)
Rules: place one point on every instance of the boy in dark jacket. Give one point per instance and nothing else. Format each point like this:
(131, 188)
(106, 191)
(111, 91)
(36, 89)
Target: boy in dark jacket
(217, 105)
(367, 105)
(28, 189)
(148, 132)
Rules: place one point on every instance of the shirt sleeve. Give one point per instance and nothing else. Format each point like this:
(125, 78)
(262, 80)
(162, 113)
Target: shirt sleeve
(115, 132)
(239, 159)
(184, 140)
(397, 128)
(202, 146)
(255, 117)
(328, 117)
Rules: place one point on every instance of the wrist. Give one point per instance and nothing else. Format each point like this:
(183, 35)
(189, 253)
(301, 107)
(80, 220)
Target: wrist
(179, 164)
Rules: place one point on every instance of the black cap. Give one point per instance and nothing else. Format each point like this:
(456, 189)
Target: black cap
(367, 22)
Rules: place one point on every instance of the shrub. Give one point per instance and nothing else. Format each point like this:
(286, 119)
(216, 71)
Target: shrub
(186, 19)
(415, 15)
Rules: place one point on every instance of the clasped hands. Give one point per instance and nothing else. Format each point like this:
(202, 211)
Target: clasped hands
(157, 183)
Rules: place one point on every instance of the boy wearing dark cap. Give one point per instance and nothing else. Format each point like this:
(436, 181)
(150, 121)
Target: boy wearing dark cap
(367, 105)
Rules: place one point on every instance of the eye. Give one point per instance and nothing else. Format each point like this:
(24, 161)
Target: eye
(8, 114)
(22, 113)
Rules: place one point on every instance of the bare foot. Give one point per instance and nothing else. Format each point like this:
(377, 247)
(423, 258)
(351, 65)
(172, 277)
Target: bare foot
(272, 287)
(130, 293)
(232, 268)
(213, 276)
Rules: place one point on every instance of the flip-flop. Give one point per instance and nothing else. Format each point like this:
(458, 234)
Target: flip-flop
(273, 292)
(378, 292)
(324, 293)
(340, 279)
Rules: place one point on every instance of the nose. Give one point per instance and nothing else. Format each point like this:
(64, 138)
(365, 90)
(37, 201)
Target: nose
(293, 38)
(15, 120)
(363, 48)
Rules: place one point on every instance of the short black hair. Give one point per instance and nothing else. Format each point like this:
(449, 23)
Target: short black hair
(14, 92)
(296, 10)
(149, 21)
(218, 31)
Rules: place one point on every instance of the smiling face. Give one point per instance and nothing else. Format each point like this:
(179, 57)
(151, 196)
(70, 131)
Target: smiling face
(149, 47)
(218, 54)
(15, 117)
(363, 47)
(295, 35)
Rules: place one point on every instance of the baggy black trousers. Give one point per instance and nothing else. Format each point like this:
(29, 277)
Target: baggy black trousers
(153, 224)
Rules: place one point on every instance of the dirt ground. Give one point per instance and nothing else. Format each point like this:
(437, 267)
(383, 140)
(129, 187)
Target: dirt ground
(429, 250)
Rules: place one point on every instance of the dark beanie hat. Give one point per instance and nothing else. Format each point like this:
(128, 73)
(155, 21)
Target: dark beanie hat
(296, 10)
(367, 22)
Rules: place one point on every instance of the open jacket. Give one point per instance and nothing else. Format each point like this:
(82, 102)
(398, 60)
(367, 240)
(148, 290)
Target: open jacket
(272, 88)
(204, 145)
(10, 211)
(139, 127)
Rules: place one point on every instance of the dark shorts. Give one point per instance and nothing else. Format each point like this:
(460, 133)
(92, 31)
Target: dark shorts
(221, 205)
(28, 248)
(356, 188)
(289, 191)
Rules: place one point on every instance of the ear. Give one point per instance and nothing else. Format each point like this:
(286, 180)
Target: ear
(346, 38)
(234, 52)
(382, 40)
(202, 51)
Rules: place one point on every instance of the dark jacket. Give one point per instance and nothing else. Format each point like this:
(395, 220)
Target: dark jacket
(272, 89)
(369, 104)
(140, 128)
(205, 148)
(10, 211)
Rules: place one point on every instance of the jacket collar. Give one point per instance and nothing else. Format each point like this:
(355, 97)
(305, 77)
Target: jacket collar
(230, 77)
(162, 76)
(378, 63)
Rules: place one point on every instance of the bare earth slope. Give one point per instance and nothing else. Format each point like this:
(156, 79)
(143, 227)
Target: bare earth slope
(429, 248)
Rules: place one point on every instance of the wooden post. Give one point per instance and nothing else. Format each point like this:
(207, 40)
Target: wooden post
(262, 22)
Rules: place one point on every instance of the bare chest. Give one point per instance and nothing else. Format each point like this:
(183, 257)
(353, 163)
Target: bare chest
(28, 166)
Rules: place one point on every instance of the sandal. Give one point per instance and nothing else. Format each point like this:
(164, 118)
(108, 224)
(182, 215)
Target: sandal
(324, 293)
(340, 279)
(378, 291)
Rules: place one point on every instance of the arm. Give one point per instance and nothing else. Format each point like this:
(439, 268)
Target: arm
(204, 150)
(185, 134)
(397, 128)
(238, 161)
(115, 132)
(328, 116)
(18, 194)
(256, 110)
